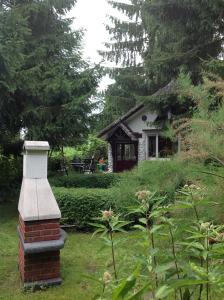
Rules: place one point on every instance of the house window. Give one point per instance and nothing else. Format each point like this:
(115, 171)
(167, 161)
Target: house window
(160, 147)
(119, 150)
(152, 146)
(126, 152)
(165, 147)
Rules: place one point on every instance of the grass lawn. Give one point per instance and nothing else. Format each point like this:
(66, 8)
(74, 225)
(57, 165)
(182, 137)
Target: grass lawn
(81, 256)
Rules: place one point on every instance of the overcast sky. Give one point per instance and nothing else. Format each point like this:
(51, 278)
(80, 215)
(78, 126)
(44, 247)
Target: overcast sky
(92, 15)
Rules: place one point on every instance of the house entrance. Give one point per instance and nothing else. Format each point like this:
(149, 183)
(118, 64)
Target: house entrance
(126, 156)
(124, 144)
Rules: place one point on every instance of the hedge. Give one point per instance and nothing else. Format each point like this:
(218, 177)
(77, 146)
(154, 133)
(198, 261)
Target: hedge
(85, 180)
(79, 206)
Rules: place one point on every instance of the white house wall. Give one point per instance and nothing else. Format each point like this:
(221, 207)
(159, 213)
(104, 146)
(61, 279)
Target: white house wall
(136, 123)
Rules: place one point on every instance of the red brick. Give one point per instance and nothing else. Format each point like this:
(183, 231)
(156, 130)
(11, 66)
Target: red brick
(40, 266)
(32, 234)
(51, 226)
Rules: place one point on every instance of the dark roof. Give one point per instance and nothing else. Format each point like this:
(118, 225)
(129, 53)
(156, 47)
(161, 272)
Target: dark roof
(167, 89)
(121, 119)
(134, 136)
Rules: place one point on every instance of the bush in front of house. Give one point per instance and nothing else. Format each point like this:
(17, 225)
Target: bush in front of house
(79, 206)
(98, 180)
(164, 177)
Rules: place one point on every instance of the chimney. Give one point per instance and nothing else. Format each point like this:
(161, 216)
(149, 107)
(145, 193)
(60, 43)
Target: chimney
(40, 236)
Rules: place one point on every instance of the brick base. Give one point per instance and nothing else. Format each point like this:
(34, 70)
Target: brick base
(38, 231)
(44, 266)
(39, 266)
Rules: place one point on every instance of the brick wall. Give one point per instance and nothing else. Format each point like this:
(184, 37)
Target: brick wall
(39, 266)
(37, 231)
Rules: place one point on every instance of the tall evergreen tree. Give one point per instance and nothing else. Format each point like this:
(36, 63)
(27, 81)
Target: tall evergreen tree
(168, 35)
(121, 96)
(45, 85)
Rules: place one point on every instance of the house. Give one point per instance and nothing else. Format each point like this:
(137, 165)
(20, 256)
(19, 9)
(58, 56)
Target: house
(135, 137)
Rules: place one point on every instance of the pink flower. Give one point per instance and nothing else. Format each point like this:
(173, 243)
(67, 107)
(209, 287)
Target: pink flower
(107, 214)
(107, 277)
(143, 195)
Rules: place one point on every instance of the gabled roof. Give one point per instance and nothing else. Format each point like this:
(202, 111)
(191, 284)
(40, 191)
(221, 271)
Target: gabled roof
(121, 119)
(127, 130)
(165, 90)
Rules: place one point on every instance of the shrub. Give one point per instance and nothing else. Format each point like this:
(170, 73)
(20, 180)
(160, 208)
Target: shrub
(54, 164)
(85, 180)
(92, 146)
(165, 177)
(80, 206)
(10, 176)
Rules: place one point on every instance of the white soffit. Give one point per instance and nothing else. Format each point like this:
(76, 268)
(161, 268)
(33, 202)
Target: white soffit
(37, 201)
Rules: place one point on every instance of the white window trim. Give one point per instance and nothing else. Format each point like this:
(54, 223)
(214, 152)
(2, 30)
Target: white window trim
(156, 134)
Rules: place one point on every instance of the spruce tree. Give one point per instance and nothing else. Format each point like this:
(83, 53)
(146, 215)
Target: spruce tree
(168, 35)
(45, 85)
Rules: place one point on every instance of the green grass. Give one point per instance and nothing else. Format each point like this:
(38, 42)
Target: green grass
(81, 256)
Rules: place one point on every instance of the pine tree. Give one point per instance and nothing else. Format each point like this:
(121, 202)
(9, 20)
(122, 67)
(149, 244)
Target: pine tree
(121, 96)
(168, 36)
(46, 86)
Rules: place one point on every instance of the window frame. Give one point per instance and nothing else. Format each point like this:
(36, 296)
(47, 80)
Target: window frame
(156, 134)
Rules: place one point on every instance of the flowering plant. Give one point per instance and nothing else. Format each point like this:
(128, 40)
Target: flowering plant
(109, 224)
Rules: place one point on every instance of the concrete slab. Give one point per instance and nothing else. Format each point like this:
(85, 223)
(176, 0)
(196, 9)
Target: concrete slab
(37, 201)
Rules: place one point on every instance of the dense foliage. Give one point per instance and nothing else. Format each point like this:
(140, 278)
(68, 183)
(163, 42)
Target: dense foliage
(10, 176)
(202, 135)
(79, 206)
(118, 190)
(45, 85)
(156, 40)
(180, 252)
(97, 180)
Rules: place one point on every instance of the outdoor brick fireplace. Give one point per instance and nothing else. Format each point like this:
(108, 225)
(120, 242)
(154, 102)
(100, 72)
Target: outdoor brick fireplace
(40, 236)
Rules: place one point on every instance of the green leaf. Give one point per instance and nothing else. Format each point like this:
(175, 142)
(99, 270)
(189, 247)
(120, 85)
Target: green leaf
(143, 221)
(92, 278)
(163, 292)
(138, 295)
(164, 268)
(182, 205)
(205, 254)
(106, 241)
(98, 225)
(96, 232)
(186, 282)
(142, 228)
(156, 228)
(197, 245)
(125, 286)
(153, 251)
(121, 224)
